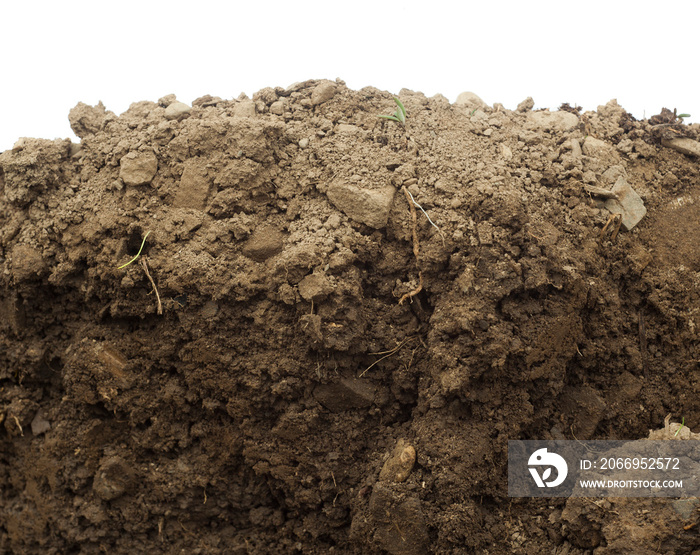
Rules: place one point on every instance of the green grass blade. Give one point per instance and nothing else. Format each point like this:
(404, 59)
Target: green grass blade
(401, 112)
(137, 254)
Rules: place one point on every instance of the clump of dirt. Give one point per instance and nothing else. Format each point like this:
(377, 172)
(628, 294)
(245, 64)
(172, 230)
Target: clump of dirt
(286, 400)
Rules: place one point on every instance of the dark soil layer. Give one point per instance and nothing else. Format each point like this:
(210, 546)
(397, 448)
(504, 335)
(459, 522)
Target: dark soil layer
(312, 385)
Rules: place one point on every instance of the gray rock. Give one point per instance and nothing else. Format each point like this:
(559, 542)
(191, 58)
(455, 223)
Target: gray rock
(194, 187)
(244, 109)
(367, 206)
(470, 99)
(177, 110)
(277, 107)
(686, 146)
(323, 92)
(628, 203)
(27, 263)
(315, 287)
(265, 243)
(39, 424)
(138, 168)
(552, 121)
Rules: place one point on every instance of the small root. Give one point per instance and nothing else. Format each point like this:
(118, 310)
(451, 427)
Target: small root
(159, 308)
(415, 291)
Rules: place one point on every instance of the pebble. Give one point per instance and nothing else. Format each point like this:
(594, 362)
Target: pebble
(323, 92)
(177, 110)
(367, 206)
(399, 465)
(470, 99)
(138, 168)
(554, 121)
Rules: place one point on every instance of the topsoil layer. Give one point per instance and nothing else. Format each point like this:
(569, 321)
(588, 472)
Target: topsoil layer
(300, 361)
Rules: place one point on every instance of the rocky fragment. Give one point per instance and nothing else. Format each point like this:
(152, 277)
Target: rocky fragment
(138, 168)
(628, 203)
(264, 243)
(470, 99)
(552, 121)
(604, 152)
(345, 394)
(323, 92)
(315, 287)
(686, 146)
(177, 110)
(39, 424)
(195, 183)
(87, 120)
(400, 463)
(27, 263)
(367, 206)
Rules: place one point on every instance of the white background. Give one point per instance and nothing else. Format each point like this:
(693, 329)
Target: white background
(55, 54)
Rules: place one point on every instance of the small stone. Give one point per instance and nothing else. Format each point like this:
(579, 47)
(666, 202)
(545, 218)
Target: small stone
(265, 243)
(27, 263)
(194, 187)
(686, 146)
(167, 100)
(304, 143)
(628, 203)
(367, 206)
(399, 465)
(39, 424)
(138, 168)
(244, 109)
(323, 92)
(177, 110)
(470, 99)
(526, 105)
(277, 108)
(315, 287)
(552, 121)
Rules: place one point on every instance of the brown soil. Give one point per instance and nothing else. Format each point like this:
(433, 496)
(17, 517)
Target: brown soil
(286, 400)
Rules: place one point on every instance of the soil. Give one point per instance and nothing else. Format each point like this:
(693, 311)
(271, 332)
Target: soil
(319, 368)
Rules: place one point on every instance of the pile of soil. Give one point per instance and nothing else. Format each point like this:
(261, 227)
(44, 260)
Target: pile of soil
(302, 360)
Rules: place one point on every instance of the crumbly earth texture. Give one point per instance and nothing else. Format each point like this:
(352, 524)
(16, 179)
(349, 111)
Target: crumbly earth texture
(299, 361)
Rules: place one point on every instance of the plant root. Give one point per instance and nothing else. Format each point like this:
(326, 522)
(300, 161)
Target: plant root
(159, 308)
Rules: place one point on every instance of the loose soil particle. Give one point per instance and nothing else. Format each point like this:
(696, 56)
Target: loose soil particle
(256, 414)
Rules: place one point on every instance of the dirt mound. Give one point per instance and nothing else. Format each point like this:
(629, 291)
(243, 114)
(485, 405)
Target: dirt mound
(356, 317)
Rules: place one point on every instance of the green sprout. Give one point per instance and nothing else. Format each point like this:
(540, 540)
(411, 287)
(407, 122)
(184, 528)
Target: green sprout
(399, 115)
(681, 116)
(678, 431)
(137, 254)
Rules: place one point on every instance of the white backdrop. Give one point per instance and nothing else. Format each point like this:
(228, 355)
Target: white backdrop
(55, 54)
